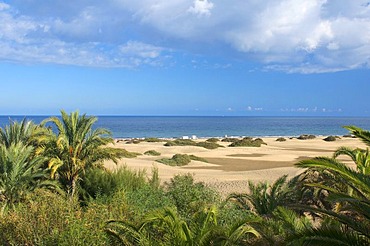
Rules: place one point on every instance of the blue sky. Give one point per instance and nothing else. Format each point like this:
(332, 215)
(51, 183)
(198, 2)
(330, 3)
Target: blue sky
(185, 57)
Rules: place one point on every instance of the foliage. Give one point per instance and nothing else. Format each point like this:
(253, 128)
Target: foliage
(128, 154)
(20, 174)
(197, 158)
(189, 142)
(262, 198)
(77, 147)
(208, 145)
(176, 160)
(187, 195)
(360, 157)
(152, 152)
(153, 140)
(213, 140)
(330, 139)
(248, 142)
(101, 182)
(231, 140)
(306, 136)
(281, 139)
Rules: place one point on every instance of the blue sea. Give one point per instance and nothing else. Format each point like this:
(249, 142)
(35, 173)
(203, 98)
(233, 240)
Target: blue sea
(202, 127)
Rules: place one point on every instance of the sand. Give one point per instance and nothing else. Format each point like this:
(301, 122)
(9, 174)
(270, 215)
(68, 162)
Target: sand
(230, 168)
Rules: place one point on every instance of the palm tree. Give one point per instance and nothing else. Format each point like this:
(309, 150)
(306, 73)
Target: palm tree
(19, 174)
(165, 227)
(25, 132)
(264, 198)
(77, 147)
(359, 156)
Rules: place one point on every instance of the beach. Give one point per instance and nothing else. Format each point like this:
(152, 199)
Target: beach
(230, 168)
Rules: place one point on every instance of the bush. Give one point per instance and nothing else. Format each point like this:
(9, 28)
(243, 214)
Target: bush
(128, 154)
(153, 140)
(281, 139)
(101, 182)
(208, 145)
(330, 139)
(248, 142)
(49, 219)
(212, 140)
(230, 140)
(197, 158)
(152, 152)
(306, 136)
(189, 196)
(176, 160)
(181, 142)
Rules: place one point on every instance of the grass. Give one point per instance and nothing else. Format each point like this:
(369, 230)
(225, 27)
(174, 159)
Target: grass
(281, 139)
(306, 136)
(153, 140)
(213, 140)
(176, 160)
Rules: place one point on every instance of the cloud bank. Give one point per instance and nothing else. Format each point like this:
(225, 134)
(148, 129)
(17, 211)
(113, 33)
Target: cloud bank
(299, 36)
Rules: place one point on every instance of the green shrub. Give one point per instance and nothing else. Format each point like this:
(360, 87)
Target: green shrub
(281, 139)
(306, 136)
(230, 140)
(248, 142)
(152, 152)
(197, 158)
(153, 140)
(128, 154)
(330, 139)
(213, 140)
(189, 196)
(49, 219)
(101, 182)
(176, 160)
(208, 145)
(180, 142)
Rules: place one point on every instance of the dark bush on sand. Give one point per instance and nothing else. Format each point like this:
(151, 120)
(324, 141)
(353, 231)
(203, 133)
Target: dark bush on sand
(212, 140)
(208, 145)
(280, 139)
(230, 140)
(153, 140)
(181, 142)
(248, 142)
(152, 152)
(330, 139)
(306, 136)
(176, 160)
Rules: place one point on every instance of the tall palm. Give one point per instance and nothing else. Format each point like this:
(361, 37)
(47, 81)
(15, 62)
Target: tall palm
(77, 147)
(25, 132)
(19, 174)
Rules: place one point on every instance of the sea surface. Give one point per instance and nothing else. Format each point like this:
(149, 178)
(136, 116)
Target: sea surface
(202, 127)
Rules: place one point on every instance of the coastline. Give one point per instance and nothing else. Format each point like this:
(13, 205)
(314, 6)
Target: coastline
(230, 168)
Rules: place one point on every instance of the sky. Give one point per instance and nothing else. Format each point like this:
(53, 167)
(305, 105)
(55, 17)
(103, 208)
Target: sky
(185, 57)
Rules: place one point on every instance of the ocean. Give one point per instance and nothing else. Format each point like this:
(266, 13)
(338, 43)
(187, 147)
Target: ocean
(203, 127)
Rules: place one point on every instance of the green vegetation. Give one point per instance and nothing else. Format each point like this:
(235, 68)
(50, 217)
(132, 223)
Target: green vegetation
(153, 140)
(189, 142)
(330, 139)
(54, 191)
(152, 152)
(281, 139)
(230, 140)
(213, 140)
(306, 136)
(248, 142)
(180, 160)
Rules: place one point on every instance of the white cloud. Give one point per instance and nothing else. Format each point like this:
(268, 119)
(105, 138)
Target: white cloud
(201, 7)
(305, 36)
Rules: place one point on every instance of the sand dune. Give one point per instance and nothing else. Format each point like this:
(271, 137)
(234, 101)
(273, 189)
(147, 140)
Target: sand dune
(230, 168)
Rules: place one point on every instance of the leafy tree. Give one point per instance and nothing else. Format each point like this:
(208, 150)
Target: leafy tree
(77, 147)
(359, 156)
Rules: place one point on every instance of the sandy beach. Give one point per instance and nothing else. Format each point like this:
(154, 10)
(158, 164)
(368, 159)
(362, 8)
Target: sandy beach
(229, 168)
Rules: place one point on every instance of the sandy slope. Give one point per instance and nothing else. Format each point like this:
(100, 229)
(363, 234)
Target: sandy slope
(230, 168)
